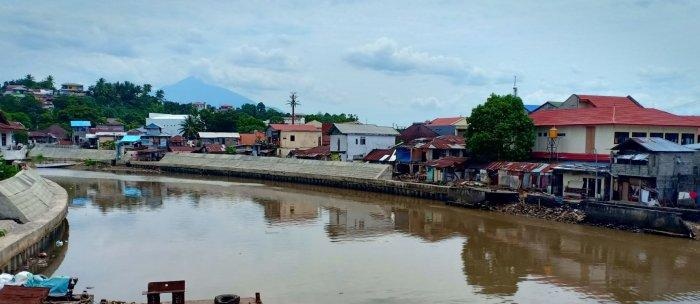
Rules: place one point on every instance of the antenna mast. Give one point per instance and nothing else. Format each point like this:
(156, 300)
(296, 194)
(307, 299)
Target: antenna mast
(515, 86)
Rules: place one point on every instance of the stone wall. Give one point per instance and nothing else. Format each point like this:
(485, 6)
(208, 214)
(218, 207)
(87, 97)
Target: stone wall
(74, 154)
(25, 197)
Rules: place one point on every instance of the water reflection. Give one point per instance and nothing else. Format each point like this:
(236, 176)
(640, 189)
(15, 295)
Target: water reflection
(499, 254)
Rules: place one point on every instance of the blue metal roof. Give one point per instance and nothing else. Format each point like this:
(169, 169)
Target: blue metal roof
(80, 123)
(531, 107)
(130, 138)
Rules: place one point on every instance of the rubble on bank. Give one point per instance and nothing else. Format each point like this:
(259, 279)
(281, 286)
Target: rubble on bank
(559, 214)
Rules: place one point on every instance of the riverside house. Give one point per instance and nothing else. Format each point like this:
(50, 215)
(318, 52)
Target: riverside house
(588, 126)
(646, 169)
(228, 139)
(8, 145)
(449, 125)
(290, 137)
(353, 141)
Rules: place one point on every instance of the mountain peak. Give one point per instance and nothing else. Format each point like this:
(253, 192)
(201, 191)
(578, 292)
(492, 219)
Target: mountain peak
(192, 88)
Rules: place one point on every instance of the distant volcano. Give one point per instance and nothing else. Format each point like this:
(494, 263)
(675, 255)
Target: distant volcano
(193, 89)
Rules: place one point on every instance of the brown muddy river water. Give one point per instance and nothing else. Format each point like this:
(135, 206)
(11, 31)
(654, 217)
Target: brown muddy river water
(307, 244)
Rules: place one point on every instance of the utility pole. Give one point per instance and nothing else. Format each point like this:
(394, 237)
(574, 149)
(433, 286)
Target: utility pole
(293, 102)
(515, 86)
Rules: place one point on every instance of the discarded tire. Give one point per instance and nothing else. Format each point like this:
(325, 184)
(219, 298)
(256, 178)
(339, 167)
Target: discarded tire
(227, 299)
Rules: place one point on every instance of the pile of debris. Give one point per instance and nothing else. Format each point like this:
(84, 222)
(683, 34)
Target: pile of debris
(559, 214)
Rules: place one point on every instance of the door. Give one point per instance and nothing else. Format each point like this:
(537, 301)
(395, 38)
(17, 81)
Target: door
(590, 139)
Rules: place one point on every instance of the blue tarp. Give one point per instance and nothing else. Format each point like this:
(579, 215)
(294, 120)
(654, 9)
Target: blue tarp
(58, 286)
(403, 155)
(130, 138)
(81, 201)
(80, 123)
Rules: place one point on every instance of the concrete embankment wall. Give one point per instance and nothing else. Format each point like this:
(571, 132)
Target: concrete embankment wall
(74, 154)
(358, 176)
(43, 203)
(642, 218)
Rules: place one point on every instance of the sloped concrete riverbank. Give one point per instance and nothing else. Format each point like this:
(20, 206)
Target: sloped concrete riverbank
(32, 208)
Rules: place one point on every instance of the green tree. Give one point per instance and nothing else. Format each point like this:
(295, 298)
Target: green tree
(500, 130)
(21, 137)
(191, 126)
(247, 124)
(7, 171)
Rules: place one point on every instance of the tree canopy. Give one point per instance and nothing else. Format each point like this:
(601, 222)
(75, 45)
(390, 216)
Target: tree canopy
(500, 129)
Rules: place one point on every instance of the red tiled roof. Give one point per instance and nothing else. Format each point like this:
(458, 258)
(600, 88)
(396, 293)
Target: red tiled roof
(12, 125)
(612, 116)
(444, 121)
(249, 139)
(294, 128)
(377, 155)
(177, 139)
(599, 101)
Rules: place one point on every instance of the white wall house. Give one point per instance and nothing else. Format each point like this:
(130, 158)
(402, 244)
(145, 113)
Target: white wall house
(169, 123)
(352, 141)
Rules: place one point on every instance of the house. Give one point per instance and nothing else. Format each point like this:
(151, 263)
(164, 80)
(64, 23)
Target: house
(169, 123)
(588, 126)
(199, 105)
(178, 144)
(11, 150)
(226, 107)
(79, 129)
(412, 157)
(582, 180)
(39, 137)
(446, 169)
(449, 125)
(16, 90)
(291, 137)
(415, 131)
(74, 89)
(319, 153)
(251, 143)
(326, 133)
(646, 169)
(519, 175)
(153, 135)
(225, 138)
(352, 141)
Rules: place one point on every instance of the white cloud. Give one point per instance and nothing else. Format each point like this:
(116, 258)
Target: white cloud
(276, 59)
(386, 55)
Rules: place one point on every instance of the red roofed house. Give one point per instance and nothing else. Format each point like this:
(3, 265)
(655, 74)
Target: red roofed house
(589, 126)
(449, 125)
(290, 137)
(10, 149)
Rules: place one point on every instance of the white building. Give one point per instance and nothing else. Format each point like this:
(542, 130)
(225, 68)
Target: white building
(352, 141)
(169, 123)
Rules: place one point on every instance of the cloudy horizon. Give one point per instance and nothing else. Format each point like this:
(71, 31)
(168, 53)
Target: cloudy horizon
(390, 62)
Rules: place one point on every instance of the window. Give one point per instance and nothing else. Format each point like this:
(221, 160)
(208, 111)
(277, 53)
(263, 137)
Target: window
(356, 142)
(659, 135)
(292, 137)
(561, 134)
(687, 139)
(620, 137)
(639, 134)
(363, 141)
(671, 137)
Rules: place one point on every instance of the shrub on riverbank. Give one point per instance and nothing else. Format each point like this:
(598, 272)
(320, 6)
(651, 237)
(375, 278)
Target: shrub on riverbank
(7, 171)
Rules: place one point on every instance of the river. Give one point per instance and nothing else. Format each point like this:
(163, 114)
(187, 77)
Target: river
(310, 244)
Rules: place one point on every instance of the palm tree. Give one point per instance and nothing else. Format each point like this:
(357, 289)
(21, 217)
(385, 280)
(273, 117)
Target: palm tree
(191, 127)
(293, 102)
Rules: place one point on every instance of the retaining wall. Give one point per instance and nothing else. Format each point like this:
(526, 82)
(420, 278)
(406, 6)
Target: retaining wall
(44, 204)
(71, 153)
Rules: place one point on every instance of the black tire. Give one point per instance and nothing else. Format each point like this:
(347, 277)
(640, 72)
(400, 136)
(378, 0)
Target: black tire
(227, 299)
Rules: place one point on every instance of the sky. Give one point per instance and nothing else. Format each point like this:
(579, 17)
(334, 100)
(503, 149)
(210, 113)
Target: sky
(390, 62)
